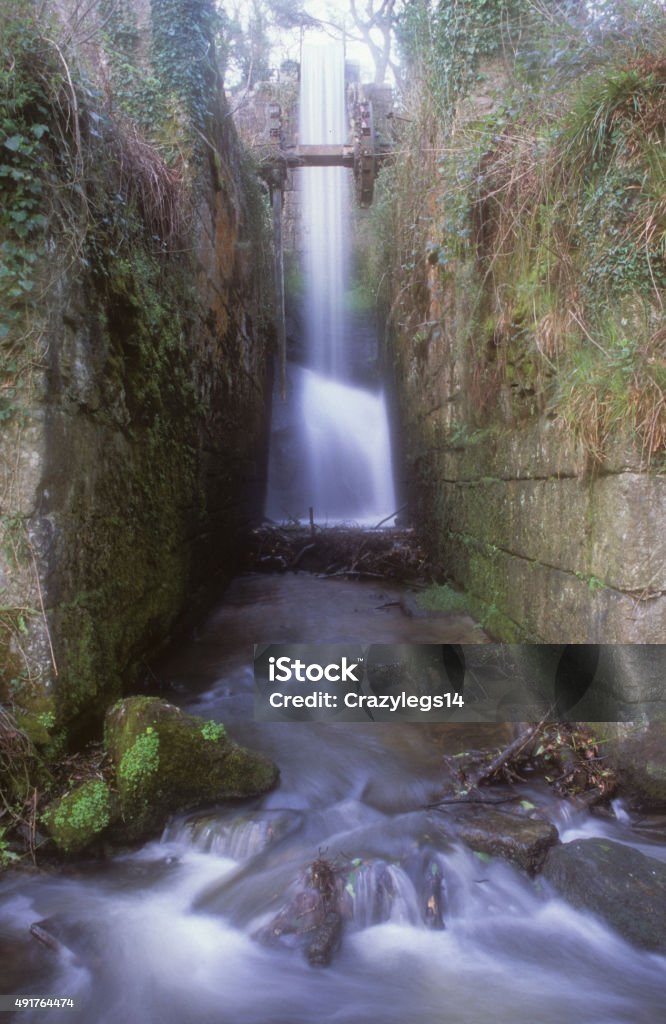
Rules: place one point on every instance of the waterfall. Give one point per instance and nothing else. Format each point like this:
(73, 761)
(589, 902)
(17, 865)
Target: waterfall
(335, 453)
(325, 200)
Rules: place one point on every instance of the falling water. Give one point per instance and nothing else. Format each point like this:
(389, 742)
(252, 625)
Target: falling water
(325, 199)
(344, 453)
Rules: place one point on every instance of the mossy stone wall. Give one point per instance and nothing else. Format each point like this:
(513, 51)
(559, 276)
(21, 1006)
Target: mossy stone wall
(135, 460)
(548, 546)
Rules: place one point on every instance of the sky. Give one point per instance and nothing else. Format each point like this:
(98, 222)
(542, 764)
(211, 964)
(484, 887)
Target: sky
(287, 43)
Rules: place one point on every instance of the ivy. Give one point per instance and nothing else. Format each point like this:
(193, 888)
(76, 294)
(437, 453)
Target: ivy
(24, 133)
(182, 51)
(447, 41)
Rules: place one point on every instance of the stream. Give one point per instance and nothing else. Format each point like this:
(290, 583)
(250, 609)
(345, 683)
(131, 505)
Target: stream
(165, 933)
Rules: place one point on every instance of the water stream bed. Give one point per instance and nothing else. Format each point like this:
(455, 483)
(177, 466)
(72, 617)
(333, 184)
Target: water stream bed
(168, 932)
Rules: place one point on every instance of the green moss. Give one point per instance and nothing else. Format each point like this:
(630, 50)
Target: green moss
(147, 455)
(77, 818)
(443, 599)
(34, 710)
(167, 761)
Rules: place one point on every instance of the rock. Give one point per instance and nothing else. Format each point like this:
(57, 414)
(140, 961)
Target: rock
(637, 753)
(167, 761)
(242, 836)
(66, 935)
(312, 919)
(77, 818)
(325, 940)
(521, 840)
(616, 882)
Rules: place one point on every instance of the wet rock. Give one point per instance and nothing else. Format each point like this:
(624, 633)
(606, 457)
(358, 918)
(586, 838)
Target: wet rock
(79, 817)
(523, 841)
(65, 936)
(326, 940)
(637, 753)
(167, 761)
(616, 882)
(242, 836)
(312, 919)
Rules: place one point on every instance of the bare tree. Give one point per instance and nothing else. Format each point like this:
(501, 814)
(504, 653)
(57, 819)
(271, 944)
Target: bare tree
(375, 22)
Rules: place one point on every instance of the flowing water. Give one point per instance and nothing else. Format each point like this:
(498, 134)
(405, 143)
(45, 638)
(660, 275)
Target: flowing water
(171, 933)
(167, 933)
(342, 434)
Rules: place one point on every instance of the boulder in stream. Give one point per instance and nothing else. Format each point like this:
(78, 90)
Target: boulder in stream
(166, 761)
(522, 840)
(76, 819)
(312, 919)
(616, 882)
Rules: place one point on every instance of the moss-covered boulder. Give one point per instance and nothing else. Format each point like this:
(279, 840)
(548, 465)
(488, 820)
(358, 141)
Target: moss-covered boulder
(167, 761)
(76, 819)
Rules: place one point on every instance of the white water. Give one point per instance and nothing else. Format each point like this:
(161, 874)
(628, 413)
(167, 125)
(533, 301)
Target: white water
(165, 934)
(342, 429)
(348, 449)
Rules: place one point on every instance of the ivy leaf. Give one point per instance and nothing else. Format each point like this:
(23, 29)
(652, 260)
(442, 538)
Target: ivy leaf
(14, 143)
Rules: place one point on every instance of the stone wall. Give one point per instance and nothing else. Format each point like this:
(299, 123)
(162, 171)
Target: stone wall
(547, 546)
(136, 459)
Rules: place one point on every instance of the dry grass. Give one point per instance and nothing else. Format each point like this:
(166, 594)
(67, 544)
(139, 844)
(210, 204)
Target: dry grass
(157, 188)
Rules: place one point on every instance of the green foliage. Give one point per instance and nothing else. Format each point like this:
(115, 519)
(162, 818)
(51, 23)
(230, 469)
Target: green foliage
(137, 90)
(212, 731)
(182, 37)
(24, 163)
(447, 41)
(540, 225)
(7, 855)
(141, 760)
(79, 816)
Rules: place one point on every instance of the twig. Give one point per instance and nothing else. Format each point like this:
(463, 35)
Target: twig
(33, 825)
(464, 799)
(75, 107)
(505, 755)
(296, 559)
(386, 518)
(41, 605)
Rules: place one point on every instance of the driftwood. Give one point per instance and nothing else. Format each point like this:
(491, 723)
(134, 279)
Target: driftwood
(339, 551)
(506, 755)
(566, 755)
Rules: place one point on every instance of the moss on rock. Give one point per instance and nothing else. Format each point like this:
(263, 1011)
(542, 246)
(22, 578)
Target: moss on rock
(167, 761)
(77, 818)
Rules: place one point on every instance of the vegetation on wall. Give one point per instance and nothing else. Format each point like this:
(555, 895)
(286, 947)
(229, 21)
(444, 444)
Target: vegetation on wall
(529, 197)
(109, 155)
